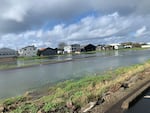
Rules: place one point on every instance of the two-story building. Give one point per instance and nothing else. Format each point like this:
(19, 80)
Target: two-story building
(74, 48)
(28, 51)
(47, 51)
(68, 49)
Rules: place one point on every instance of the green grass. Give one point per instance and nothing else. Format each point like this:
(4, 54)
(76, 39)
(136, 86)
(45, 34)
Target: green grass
(13, 100)
(32, 58)
(26, 108)
(7, 66)
(49, 106)
(90, 87)
(79, 91)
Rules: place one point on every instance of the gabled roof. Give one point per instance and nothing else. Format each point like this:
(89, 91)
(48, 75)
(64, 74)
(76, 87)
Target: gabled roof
(90, 45)
(42, 49)
(28, 47)
(6, 49)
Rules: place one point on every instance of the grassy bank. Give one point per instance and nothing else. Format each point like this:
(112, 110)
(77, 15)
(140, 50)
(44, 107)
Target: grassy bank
(80, 92)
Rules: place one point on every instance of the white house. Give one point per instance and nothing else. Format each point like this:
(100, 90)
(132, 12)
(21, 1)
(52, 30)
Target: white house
(74, 48)
(60, 51)
(116, 46)
(68, 49)
(28, 51)
(146, 46)
(128, 46)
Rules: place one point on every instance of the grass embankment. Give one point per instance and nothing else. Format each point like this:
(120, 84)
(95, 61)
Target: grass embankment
(34, 57)
(79, 92)
(29, 62)
(8, 67)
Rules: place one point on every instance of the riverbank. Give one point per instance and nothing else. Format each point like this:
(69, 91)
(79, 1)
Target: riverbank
(39, 63)
(44, 60)
(79, 95)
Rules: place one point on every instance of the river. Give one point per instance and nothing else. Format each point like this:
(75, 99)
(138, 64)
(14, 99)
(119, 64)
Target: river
(142, 106)
(16, 82)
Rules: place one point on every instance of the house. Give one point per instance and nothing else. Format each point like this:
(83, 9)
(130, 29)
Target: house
(68, 49)
(108, 47)
(136, 45)
(60, 51)
(116, 46)
(89, 47)
(145, 45)
(100, 47)
(74, 48)
(7, 55)
(28, 51)
(6, 52)
(127, 46)
(46, 52)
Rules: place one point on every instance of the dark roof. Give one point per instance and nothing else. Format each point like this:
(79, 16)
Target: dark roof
(44, 49)
(90, 45)
(28, 46)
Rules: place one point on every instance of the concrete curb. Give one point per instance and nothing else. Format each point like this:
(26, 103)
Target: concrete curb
(129, 101)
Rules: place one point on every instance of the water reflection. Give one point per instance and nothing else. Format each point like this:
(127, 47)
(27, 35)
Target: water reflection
(116, 53)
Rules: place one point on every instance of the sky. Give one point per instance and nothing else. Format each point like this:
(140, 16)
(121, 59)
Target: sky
(46, 23)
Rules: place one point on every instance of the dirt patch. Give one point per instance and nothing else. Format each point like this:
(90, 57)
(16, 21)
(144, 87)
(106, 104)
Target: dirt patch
(128, 88)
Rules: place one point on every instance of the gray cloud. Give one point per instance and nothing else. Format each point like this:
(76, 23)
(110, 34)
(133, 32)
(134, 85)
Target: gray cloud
(23, 15)
(24, 21)
(110, 28)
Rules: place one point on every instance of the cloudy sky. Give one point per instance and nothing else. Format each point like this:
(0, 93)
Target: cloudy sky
(46, 23)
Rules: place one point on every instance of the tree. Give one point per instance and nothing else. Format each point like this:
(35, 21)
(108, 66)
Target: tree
(61, 45)
(39, 52)
(137, 45)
